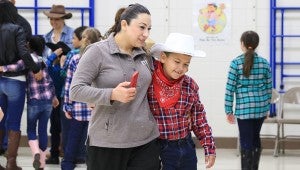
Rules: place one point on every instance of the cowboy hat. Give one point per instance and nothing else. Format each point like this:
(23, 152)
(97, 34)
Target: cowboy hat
(58, 11)
(177, 43)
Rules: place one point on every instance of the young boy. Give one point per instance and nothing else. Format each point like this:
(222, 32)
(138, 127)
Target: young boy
(174, 101)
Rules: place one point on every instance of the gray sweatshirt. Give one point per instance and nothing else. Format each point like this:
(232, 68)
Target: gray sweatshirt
(114, 124)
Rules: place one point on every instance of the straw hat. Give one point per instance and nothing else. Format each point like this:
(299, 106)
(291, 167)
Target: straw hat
(58, 11)
(177, 43)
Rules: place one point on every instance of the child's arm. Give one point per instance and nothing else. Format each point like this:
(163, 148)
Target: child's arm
(66, 62)
(230, 88)
(201, 128)
(13, 67)
(203, 132)
(68, 106)
(53, 56)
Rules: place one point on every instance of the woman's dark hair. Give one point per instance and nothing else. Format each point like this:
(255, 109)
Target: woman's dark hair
(37, 44)
(8, 12)
(131, 12)
(117, 19)
(78, 31)
(250, 39)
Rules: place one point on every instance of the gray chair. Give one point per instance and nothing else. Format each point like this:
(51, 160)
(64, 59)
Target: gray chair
(272, 120)
(291, 96)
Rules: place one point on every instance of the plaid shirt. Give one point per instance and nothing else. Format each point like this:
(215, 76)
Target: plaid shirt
(187, 115)
(78, 110)
(253, 93)
(64, 68)
(39, 90)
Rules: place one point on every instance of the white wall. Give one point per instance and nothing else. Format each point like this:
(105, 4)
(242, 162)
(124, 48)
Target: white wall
(170, 16)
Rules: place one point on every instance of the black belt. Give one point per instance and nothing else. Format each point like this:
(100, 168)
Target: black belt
(178, 141)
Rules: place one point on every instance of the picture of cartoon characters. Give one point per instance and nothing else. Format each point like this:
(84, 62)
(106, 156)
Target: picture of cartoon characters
(212, 19)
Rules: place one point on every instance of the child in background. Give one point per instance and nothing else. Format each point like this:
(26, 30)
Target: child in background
(174, 101)
(250, 81)
(78, 113)
(40, 99)
(58, 65)
(64, 64)
(76, 42)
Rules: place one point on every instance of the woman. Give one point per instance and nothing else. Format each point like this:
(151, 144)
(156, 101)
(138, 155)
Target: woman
(249, 79)
(59, 32)
(13, 84)
(122, 131)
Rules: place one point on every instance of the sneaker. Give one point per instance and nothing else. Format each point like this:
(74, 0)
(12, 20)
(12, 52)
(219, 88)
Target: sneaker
(52, 160)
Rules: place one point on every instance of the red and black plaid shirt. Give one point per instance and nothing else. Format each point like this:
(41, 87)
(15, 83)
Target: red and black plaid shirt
(187, 115)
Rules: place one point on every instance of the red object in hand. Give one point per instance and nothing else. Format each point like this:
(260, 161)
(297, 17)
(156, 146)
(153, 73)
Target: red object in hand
(134, 78)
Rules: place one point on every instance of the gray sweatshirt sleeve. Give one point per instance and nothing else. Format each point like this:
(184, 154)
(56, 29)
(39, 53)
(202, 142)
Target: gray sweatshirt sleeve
(87, 71)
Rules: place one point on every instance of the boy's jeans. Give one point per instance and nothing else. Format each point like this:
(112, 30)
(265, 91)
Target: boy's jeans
(179, 154)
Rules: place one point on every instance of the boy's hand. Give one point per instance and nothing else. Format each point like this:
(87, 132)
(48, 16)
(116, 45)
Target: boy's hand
(210, 160)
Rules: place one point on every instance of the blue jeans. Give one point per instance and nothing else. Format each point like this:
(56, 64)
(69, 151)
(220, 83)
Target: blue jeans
(179, 154)
(12, 99)
(249, 130)
(38, 112)
(65, 128)
(78, 131)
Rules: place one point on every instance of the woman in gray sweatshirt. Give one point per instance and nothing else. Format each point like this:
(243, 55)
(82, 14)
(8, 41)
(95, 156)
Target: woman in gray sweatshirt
(122, 131)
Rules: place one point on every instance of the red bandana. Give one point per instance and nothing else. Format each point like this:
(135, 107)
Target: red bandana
(167, 92)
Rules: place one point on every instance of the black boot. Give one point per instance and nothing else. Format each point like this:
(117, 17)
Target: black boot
(246, 159)
(256, 157)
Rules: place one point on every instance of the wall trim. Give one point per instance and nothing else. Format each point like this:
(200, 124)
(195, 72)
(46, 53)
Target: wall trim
(221, 142)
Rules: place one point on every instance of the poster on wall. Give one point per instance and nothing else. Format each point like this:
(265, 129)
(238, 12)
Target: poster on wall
(212, 22)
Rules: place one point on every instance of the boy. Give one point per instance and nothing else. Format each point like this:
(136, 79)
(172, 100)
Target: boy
(174, 101)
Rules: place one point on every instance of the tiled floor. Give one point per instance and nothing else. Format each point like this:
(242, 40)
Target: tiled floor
(226, 160)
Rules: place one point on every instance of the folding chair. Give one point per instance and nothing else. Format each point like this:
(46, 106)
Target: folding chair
(290, 97)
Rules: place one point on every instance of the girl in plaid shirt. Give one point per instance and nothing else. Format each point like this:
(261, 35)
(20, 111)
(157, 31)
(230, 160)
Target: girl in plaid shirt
(174, 101)
(79, 113)
(249, 79)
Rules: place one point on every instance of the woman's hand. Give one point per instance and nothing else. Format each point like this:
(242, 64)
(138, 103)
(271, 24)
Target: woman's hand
(230, 118)
(123, 93)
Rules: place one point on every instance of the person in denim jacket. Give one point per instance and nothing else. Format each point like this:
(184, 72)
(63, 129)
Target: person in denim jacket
(59, 32)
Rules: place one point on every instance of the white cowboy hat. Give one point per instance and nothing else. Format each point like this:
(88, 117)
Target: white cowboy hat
(177, 43)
